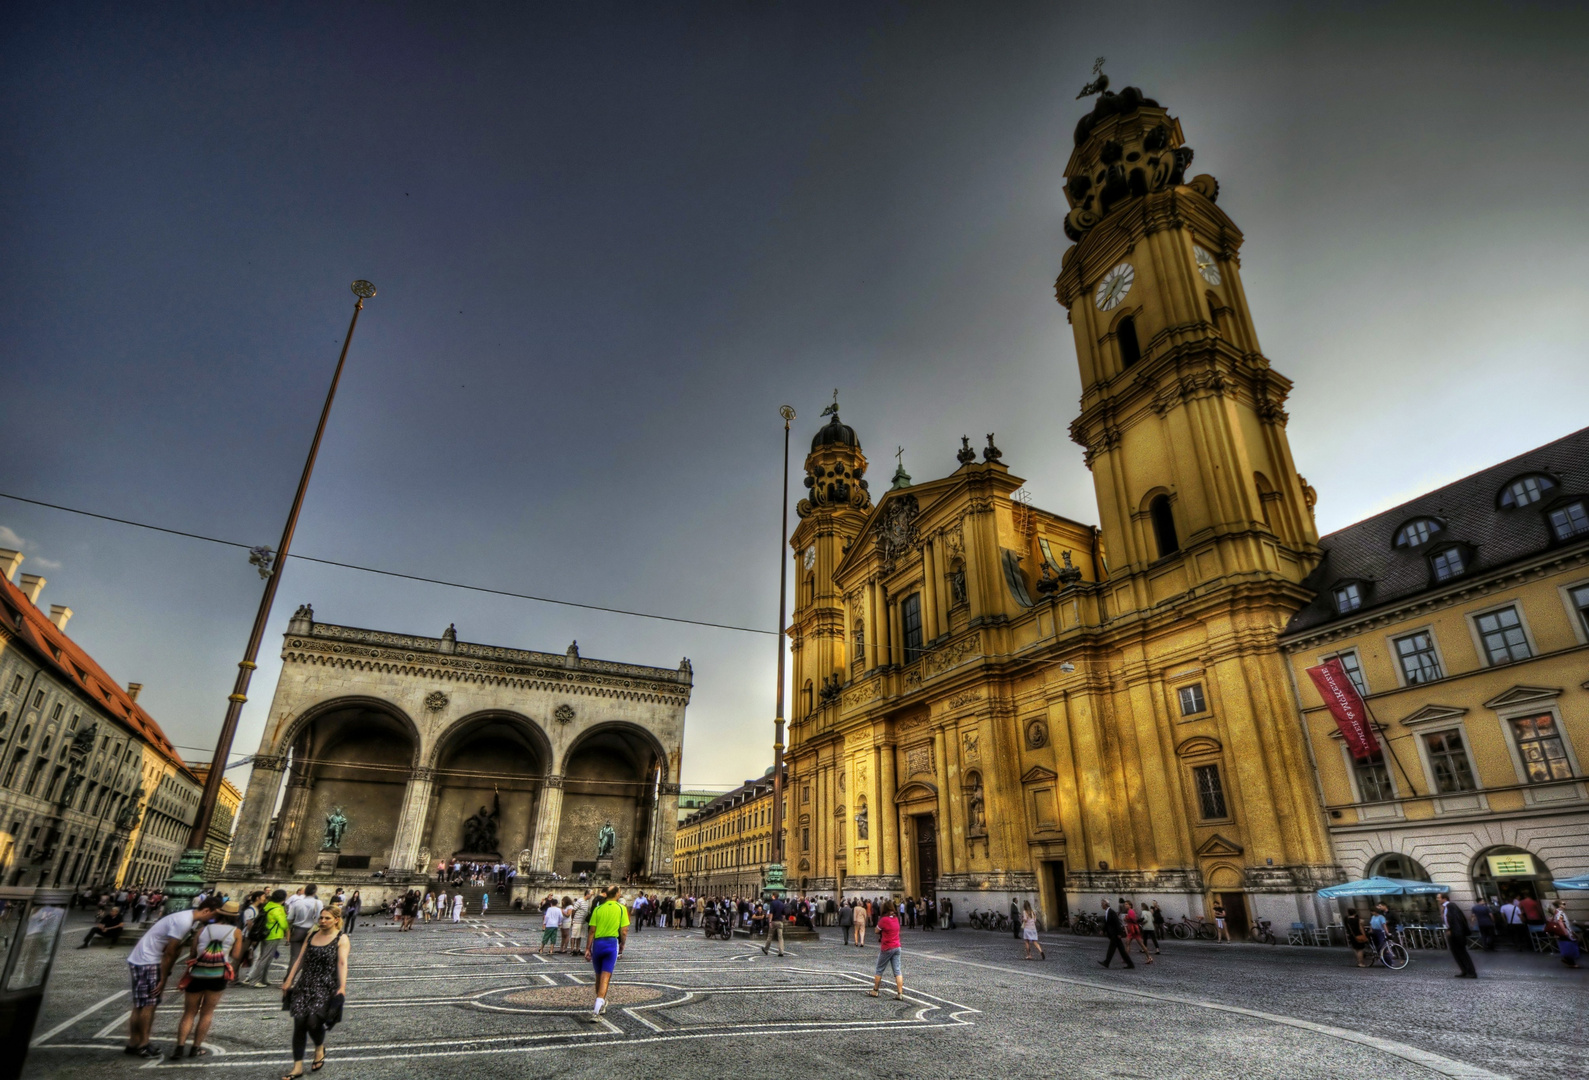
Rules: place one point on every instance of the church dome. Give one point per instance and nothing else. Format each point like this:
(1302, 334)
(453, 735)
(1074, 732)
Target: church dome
(835, 433)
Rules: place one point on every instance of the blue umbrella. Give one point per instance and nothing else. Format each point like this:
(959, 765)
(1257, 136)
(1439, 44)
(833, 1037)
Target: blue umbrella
(1579, 882)
(1383, 886)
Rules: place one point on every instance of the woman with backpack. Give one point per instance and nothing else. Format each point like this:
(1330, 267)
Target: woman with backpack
(216, 949)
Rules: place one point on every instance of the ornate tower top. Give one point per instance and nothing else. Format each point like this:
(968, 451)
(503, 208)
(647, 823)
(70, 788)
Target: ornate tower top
(835, 467)
(1126, 147)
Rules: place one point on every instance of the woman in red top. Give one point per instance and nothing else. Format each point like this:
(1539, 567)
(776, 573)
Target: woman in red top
(1134, 930)
(888, 956)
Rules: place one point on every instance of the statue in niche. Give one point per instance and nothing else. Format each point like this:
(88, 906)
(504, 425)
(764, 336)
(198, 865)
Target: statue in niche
(336, 825)
(862, 829)
(480, 830)
(976, 809)
(957, 588)
(606, 840)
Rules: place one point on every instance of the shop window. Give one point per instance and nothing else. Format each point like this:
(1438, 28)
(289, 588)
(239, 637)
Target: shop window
(1540, 745)
(1192, 701)
(1419, 661)
(1210, 792)
(1449, 760)
(1503, 637)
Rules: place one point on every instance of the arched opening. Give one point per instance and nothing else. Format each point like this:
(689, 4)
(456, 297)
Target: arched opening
(1510, 873)
(1266, 495)
(350, 759)
(809, 592)
(808, 698)
(610, 777)
(1213, 314)
(1405, 868)
(1126, 335)
(1163, 526)
(485, 797)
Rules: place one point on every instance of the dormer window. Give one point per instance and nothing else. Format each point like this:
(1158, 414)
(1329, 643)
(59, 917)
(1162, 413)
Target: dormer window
(1417, 532)
(1570, 520)
(1526, 490)
(1447, 564)
(1348, 597)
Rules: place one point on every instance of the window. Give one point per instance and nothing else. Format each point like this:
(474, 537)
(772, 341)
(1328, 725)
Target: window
(1570, 520)
(805, 839)
(38, 699)
(1163, 526)
(1126, 335)
(1373, 779)
(1353, 667)
(1447, 564)
(55, 713)
(1419, 662)
(1210, 792)
(1348, 597)
(807, 698)
(1417, 532)
(1580, 600)
(1503, 637)
(72, 726)
(1540, 746)
(1449, 761)
(11, 771)
(1526, 490)
(16, 685)
(910, 620)
(1192, 699)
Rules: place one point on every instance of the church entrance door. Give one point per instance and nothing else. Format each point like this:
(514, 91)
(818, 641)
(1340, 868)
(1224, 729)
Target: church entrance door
(926, 855)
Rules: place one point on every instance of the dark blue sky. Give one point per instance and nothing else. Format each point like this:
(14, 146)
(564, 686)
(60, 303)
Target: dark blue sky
(610, 240)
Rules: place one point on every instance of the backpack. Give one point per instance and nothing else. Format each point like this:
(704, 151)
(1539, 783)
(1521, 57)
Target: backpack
(259, 927)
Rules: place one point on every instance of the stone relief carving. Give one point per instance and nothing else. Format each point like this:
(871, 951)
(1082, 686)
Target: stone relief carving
(896, 534)
(1036, 734)
(918, 759)
(965, 697)
(564, 713)
(436, 701)
(970, 746)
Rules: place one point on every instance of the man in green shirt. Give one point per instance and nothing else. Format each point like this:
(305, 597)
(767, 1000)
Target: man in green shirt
(609, 933)
(274, 919)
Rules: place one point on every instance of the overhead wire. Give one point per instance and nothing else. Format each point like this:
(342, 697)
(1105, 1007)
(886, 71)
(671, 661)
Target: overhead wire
(397, 574)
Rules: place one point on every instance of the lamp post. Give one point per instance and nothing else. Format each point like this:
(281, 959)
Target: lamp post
(773, 878)
(188, 877)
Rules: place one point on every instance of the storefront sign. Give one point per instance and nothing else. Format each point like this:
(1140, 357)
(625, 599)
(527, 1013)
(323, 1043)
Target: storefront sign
(1519, 865)
(1346, 705)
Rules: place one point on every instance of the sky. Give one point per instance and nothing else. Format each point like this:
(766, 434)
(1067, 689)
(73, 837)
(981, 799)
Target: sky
(611, 240)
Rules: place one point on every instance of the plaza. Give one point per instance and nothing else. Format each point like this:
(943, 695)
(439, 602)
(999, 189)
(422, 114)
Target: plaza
(469, 999)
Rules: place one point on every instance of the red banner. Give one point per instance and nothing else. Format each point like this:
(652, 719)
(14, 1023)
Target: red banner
(1346, 705)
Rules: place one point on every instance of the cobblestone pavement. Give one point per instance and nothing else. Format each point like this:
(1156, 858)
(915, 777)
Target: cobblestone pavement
(473, 1000)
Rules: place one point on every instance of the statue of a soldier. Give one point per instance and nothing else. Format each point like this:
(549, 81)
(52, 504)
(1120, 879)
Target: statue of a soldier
(606, 840)
(336, 825)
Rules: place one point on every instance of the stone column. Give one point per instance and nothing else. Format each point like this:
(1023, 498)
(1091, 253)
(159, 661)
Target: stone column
(411, 822)
(253, 816)
(946, 851)
(290, 821)
(667, 824)
(546, 825)
(888, 813)
(929, 593)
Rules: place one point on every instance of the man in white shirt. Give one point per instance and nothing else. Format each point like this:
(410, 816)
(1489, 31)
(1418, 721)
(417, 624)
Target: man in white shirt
(551, 919)
(457, 906)
(303, 912)
(149, 964)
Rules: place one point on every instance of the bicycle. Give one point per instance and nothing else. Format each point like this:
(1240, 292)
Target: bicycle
(1084, 923)
(1262, 934)
(1392, 954)
(1189, 927)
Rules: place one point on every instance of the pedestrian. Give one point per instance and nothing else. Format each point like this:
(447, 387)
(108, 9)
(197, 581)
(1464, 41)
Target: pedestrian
(268, 931)
(1379, 927)
(576, 932)
(1512, 917)
(1158, 928)
(776, 912)
(1457, 937)
(457, 906)
(609, 933)
(888, 952)
(108, 925)
(859, 924)
(846, 923)
(1560, 927)
(949, 913)
(149, 964)
(1356, 936)
(566, 913)
(1484, 919)
(316, 988)
(551, 922)
(303, 915)
(485, 902)
(350, 913)
(1133, 923)
(211, 966)
(1029, 933)
(1114, 930)
(1150, 929)
(1221, 930)
(1015, 919)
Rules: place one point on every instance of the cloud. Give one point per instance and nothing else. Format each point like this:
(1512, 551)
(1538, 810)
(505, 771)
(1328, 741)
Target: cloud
(45, 564)
(9, 538)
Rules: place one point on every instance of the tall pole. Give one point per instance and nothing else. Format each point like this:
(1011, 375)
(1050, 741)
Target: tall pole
(188, 877)
(775, 870)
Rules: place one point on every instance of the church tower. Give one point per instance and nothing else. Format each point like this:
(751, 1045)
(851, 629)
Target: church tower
(832, 514)
(1181, 414)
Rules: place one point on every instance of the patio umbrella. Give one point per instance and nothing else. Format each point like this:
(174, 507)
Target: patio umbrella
(1383, 886)
(1579, 882)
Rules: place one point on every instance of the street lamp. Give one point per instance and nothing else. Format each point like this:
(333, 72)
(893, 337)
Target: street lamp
(773, 877)
(188, 877)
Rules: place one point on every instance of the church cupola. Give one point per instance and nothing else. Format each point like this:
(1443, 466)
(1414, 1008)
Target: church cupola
(835, 468)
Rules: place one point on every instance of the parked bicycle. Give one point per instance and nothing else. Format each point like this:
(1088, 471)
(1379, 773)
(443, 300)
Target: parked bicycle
(1085, 922)
(1192, 926)
(1261, 933)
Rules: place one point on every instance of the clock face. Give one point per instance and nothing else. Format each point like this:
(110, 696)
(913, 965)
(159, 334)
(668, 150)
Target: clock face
(1114, 286)
(811, 556)
(1206, 265)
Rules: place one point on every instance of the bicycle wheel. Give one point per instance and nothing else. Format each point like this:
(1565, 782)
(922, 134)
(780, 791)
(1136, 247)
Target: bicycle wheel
(1181, 931)
(1393, 956)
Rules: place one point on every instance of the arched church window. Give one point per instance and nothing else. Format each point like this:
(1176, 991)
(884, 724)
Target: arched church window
(1163, 526)
(808, 695)
(1130, 348)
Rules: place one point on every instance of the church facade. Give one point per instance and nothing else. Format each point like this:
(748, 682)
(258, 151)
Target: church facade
(995, 703)
(389, 753)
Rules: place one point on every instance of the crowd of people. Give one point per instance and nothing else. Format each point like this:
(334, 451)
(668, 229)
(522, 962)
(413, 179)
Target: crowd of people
(1517, 922)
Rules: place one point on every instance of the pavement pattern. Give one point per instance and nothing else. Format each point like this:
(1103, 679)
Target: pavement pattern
(474, 999)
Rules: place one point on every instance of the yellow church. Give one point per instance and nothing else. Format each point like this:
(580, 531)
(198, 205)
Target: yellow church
(995, 703)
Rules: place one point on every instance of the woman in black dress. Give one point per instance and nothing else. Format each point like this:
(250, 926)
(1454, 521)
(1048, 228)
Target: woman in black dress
(316, 987)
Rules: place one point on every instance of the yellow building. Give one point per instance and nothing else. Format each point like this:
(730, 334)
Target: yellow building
(994, 702)
(1463, 618)
(722, 848)
(219, 840)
